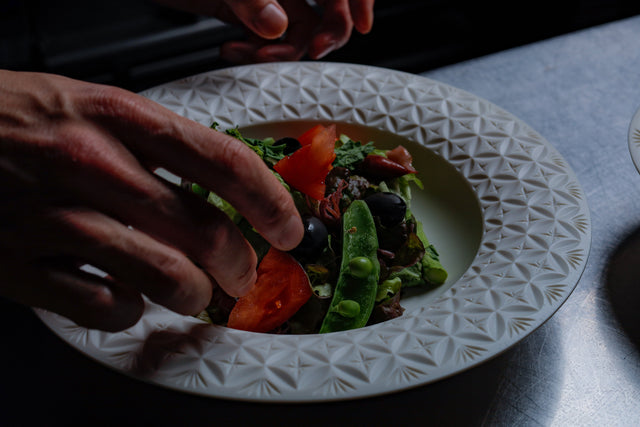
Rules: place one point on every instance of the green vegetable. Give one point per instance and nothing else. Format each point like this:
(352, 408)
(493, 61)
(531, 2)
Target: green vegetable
(350, 152)
(200, 191)
(224, 206)
(432, 270)
(347, 308)
(318, 276)
(204, 316)
(346, 288)
(360, 267)
(265, 148)
(217, 201)
(410, 276)
(388, 288)
(359, 240)
(324, 290)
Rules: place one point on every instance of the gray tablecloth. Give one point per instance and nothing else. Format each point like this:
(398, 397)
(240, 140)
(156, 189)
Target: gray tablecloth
(580, 92)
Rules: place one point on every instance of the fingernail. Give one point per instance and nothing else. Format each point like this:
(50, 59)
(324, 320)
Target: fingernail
(291, 234)
(271, 22)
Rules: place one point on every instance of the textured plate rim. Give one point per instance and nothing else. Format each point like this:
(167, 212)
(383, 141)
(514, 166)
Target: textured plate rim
(634, 139)
(458, 331)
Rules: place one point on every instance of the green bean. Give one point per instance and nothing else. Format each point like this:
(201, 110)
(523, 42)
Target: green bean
(359, 272)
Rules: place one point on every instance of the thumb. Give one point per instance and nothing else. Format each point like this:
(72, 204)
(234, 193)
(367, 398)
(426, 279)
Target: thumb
(266, 18)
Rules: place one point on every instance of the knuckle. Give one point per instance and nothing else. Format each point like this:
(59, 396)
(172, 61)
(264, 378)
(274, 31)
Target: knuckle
(77, 224)
(218, 237)
(80, 153)
(139, 122)
(118, 107)
(75, 142)
(274, 209)
(234, 158)
(53, 101)
(110, 101)
(174, 268)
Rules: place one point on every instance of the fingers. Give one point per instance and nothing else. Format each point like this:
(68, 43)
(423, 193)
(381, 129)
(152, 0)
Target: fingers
(265, 18)
(362, 14)
(197, 229)
(88, 300)
(133, 260)
(303, 21)
(242, 52)
(309, 31)
(115, 183)
(334, 30)
(131, 257)
(71, 144)
(215, 160)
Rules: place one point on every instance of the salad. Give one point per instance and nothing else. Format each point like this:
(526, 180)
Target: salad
(362, 245)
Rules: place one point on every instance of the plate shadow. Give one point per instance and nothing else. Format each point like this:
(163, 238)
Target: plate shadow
(623, 285)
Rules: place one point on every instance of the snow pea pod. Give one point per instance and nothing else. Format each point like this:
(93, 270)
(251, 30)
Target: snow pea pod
(356, 289)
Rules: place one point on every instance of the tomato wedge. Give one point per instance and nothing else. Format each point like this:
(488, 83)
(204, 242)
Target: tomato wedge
(306, 168)
(308, 137)
(281, 289)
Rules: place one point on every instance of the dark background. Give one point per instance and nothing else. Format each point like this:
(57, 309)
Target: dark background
(137, 44)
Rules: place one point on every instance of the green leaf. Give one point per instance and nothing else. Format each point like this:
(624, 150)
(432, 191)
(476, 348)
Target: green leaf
(265, 148)
(351, 152)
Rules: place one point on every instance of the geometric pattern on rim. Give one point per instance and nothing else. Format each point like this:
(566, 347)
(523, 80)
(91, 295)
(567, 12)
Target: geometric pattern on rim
(634, 139)
(534, 247)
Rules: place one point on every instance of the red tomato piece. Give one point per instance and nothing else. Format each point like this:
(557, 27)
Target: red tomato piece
(306, 169)
(281, 289)
(307, 137)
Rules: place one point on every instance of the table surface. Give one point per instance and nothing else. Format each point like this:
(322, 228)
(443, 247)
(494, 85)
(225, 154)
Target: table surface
(582, 367)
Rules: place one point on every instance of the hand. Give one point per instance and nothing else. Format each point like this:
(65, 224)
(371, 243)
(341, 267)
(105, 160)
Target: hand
(288, 29)
(77, 187)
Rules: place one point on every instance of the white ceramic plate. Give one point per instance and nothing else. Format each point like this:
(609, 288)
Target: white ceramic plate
(504, 208)
(634, 139)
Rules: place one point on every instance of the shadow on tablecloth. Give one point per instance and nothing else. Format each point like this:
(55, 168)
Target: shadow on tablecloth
(623, 285)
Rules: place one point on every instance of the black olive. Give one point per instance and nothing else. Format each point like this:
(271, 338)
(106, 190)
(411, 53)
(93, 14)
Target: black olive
(291, 144)
(314, 240)
(388, 207)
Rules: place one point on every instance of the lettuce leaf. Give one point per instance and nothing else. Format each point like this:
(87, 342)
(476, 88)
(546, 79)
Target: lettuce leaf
(265, 148)
(350, 152)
